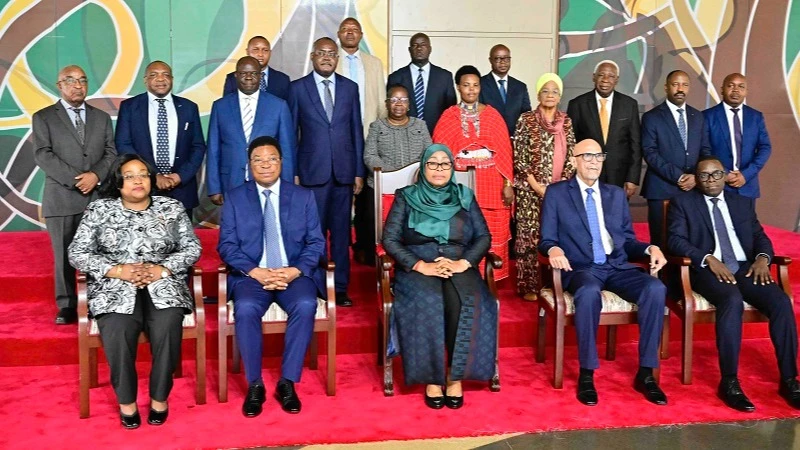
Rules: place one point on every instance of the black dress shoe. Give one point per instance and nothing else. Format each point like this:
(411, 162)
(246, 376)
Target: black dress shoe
(343, 300)
(157, 417)
(66, 316)
(731, 393)
(647, 385)
(256, 395)
(130, 422)
(587, 394)
(790, 390)
(454, 402)
(434, 402)
(287, 397)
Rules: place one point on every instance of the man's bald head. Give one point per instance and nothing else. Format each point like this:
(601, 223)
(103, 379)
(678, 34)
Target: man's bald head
(72, 84)
(588, 170)
(587, 146)
(734, 89)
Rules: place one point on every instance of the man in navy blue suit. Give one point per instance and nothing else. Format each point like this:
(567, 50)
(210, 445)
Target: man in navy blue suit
(430, 87)
(730, 255)
(326, 110)
(273, 81)
(587, 233)
(674, 136)
(271, 241)
(165, 130)
(237, 118)
(506, 94)
(738, 137)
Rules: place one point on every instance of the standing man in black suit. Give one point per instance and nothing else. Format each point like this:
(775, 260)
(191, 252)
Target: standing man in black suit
(272, 81)
(430, 87)
(506, 94)
(73, 144)
(611, 118)
(730, 256)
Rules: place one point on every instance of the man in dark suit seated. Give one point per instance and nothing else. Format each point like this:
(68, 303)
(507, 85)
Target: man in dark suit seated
(273, 81)
(506, 94)
(430, 87)
(730, 256)
(587, 233)
(271, 241)
(611, 118)
(165, 130)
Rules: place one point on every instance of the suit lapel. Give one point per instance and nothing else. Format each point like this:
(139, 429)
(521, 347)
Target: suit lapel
(721, 119)
(670, 121)
(286, 212)
(311, 88)
(62, 114)
(180, 112)
(254, 204)
(692, 126)
(605, 198)
(594, 114)
(615, 113)
(700, 203)
(261, 110)
(408, 82)
(234, 109)
(493, 93)
(143, 117)
(577, 199)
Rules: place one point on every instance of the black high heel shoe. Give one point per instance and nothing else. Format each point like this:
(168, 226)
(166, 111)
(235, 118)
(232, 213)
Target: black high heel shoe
(434, 402)
(130, 422)
(454, 402)
(157, 417)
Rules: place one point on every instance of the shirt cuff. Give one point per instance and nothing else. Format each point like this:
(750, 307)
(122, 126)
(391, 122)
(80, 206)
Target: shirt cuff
(553, 248)
(647, 250)
(769, 260)
(703, 261)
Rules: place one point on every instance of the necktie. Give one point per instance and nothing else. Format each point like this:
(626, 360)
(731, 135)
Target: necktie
(80, 126)
(502, 90)
(271, 247)
(162, 139)
(598, 251)
(247, 119)
(262, 85)
(353, 67)
(737, 137)
(726, 248)
(419, 96)
(604, 118)
(328, 100)
(682, 126)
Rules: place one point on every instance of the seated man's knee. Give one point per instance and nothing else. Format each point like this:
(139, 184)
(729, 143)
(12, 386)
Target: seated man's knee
(246, 311)
(305, 308)
(732, 302)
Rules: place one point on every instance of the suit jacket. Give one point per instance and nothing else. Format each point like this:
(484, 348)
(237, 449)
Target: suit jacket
(517, 99)
(439, 95)
(374, 86)
(328, 150)
(61, 156)
(227, 147)
(277, 84)
(241, 232)
(563, 205)
(756, 147)
(666, 157)
(133, 136)
(623, 146)
(691, 230)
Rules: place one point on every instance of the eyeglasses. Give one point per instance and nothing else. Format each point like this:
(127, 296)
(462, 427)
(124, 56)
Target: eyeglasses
(717, 175)
(590, 156)
(501, 59)
(322, 54)
(253, 74)
(265, 162)
(70, 81)
(138, 176)
(546, 92)
(433, 165)
(395, 100)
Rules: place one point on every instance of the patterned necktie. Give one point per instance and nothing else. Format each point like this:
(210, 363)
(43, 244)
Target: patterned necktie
(604, 118)
(328, 100)
(271, 246)
(725, 246)
(162, 139)
(598, 251)
(419, 96)
(737, 137)
(247, 119)
(262, 85)
(80, 126)
(503, 90)
(682, 126)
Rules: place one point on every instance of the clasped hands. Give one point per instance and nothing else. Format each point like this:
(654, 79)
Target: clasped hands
(275, 279)
(167, 182)
(442, 267)
(86, 182)
(138, 274)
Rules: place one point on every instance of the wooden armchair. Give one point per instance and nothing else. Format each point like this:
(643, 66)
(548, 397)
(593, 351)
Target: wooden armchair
(194, 328)
(274, 322)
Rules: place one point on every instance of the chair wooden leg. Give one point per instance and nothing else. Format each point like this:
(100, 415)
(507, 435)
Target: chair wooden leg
(93, 367)
(84, 378)
(542, 336)
(388, 375)
(494, 383)
(313, 361)
(686, 363)
(381, 343)
(200, 367)
(236, 367)
(611, 343)
(665, 338)
(558, 362)
(331, 387)
(222, 345)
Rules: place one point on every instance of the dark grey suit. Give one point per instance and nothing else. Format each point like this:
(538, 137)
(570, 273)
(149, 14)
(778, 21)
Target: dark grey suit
(60, 155)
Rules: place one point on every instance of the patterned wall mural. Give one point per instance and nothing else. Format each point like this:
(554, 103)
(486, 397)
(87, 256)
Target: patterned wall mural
(113, 41)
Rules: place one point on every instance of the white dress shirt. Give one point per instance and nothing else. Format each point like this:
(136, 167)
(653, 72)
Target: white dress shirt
(71, 113)
(726, 216)
(275, 199)
(426, 73)
(608, 242)
(253, 99)
(172, 124)
(344, 59)
(729, 115)
(497, 82)
(318, 79)
(674, 110)
(266, 77)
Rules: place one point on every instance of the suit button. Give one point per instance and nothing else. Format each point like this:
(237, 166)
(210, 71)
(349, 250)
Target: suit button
(85, 154)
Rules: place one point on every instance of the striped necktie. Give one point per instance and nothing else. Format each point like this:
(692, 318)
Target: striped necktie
(419, 96)
(725, 245)
(328, 100)
(247, 119)
(262, 85)
(682, 126)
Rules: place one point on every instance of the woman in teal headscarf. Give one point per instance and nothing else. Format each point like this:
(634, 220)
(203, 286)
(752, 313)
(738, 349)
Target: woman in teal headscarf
(437, 235)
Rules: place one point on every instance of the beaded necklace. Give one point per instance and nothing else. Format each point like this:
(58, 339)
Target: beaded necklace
(470, 114)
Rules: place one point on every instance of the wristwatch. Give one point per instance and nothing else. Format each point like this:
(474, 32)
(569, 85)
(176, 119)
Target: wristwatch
(164, 273)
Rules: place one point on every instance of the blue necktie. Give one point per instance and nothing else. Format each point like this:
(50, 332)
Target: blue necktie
(598, 252)
(725, 246)
(353, 68)
(328, 100)
(419, 96)
(262, 85)
(502, 89)
(737, 137)
(271, 246)
(162, 139)
(682, 127)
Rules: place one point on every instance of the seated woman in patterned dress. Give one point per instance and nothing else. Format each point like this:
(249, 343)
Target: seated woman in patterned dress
(437, 235)
(136, 250)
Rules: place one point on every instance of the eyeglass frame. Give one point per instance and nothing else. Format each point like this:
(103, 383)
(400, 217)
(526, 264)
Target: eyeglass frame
(715, 175)
(272, 161)
(438, 166)
(135, 176)
(70, 81)
(588, 157)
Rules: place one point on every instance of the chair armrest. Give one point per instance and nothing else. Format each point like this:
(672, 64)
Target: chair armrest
(83, 306)
(222, 296)
(679, 260)
(386, 262)
(781, 260)
(494, 260)
(327, 266)
(197, 290)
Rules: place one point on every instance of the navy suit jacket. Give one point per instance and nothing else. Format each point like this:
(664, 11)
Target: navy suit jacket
(517, 99)
(227, 147)
(756, 147)
(241, 232)
(691, 231)
(663, 149)
(277, 84)
(133, 136)
(328, 150)
(563, 206)
(439, 95)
